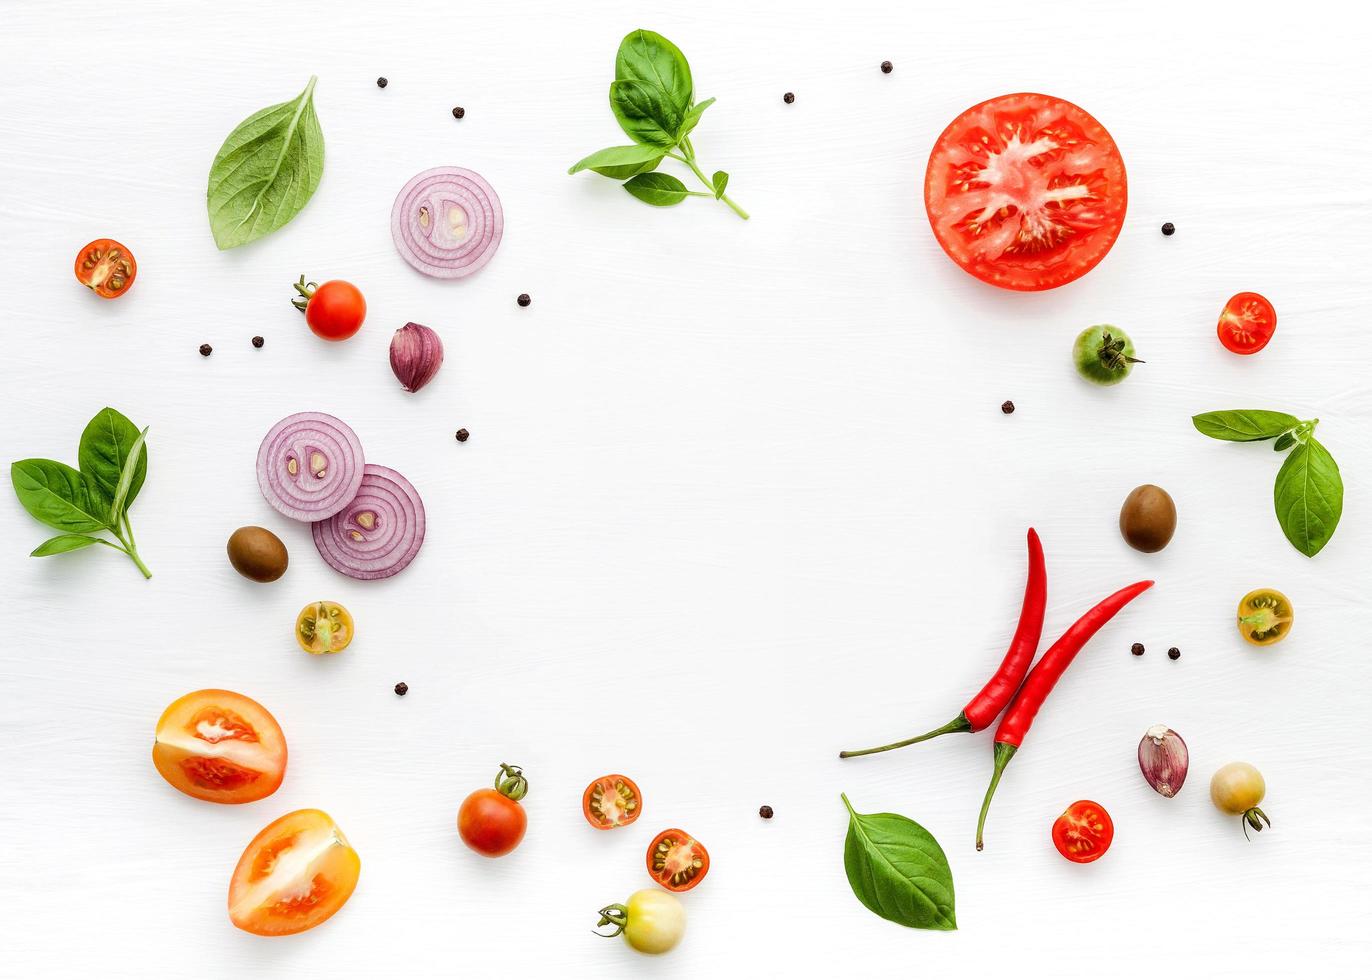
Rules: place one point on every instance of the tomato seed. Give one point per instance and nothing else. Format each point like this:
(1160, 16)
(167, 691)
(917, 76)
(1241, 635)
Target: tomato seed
(402, 687)
(1137, 649)
(1008, 407)
(458, 112)
(1174, 654)
(206, 350)
(765, 812)
(886, 67)
(788, 98)
(463, 435)
(524, 299)
(1168, 228)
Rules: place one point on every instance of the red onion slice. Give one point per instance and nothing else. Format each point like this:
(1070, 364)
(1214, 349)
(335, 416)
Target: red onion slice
(447, 222)
(309, 466)
(380, 530)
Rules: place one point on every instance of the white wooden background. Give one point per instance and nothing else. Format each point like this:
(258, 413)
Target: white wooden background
(737, 495)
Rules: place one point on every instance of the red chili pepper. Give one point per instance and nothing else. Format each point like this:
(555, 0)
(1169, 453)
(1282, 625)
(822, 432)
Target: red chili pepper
(992, 699)
(1041, 680)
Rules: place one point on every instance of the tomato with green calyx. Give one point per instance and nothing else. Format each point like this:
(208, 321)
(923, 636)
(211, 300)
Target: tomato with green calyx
(491, 821)
(1265, 617)
(334, 310)
(1238, 788)
(651, 921)
(1104, 355)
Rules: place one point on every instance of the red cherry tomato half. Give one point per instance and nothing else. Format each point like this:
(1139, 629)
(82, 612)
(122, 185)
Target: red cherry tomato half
(612, 801)
(1084, 832)
(1247, 323)
(1026, 191)
(334, 310)
(106, 268)
(677, 861)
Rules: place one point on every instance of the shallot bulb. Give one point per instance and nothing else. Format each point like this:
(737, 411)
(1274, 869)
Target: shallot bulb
(1163, 760)
(416, 355)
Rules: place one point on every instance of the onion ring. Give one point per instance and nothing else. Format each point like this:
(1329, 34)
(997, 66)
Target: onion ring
(310, 466)
(447, 222)
(378, 532)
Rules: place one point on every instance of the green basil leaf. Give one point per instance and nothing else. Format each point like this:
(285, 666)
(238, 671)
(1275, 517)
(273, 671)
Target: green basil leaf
(719, 181)
(693, 117)
(644, 115)
(898, 870)
(659, 190)
(64, 543)
(1244, 425)
(119, 503)
(656, 62)
(59, 496)
(1308, 496)
(621, 162)
(266, 171)
(106, 446)
(1284, 442)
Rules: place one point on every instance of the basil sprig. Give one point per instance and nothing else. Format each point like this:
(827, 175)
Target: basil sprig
(1308, 494)
(97, 497)
(898, 870)
(653, 99)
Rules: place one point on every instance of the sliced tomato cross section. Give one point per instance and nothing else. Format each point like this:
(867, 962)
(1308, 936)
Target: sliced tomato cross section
(1083, 833)
(612, 801)
(1026, 191)
(220, 746)
(1247, 323)
(297, 872)
(677, 861)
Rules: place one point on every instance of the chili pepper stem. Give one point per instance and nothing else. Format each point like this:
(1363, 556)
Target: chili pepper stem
(1003, 754)
(958, 724)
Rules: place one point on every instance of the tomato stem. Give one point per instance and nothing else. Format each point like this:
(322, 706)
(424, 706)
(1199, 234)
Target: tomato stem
(510, 782)
(615, 915)
(958, 724)
(306, 290)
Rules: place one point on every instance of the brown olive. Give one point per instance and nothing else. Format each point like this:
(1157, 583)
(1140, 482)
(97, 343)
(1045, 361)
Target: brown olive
(1148, 518)
(257, 554)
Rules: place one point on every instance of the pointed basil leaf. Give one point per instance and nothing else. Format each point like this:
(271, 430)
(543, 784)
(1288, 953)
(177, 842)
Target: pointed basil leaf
(1284, 442)
(644, 115)
(59, 496)
(106, 445)
(898, 870)
(659, 190)
(1244, 425)
(266, 171)
(621, 162)
(120, 501)
(64, 543)
(652, 60)
(1308, 496)
(693, 117)
(719, 181)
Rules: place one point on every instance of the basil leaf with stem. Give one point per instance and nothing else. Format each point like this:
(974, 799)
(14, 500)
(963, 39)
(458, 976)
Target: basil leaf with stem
(1244, 425)
(59, 496)
(266, 171)
(1308, 497)
(659, 190)
(898, 870)
(644, 115)
(64, 543)
(649, 58)
(621, 162)
(105, 447)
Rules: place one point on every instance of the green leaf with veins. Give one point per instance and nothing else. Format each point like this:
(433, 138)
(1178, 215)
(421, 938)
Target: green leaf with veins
(621, 162)
(59, 496)
(898, 870)
(693, 117)
(106, 445)
(1308, 497)
(643, 114)
(1244, 425)
(64, 543)
(652, 60)
(659, 190)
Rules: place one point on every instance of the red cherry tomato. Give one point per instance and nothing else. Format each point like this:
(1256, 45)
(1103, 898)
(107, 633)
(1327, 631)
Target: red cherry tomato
(677, 861)
(611, 801)
(1026, 191)
(1247, 323)
(491, 821)
(106, 268)
(1084, 832)
(334, 310)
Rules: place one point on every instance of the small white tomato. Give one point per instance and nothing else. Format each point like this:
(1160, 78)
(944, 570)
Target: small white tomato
(1238, 788)
(652, 920)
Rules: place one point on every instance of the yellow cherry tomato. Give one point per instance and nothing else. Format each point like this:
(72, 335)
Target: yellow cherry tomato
(651, 921)
(1265, 617)
(324, 627)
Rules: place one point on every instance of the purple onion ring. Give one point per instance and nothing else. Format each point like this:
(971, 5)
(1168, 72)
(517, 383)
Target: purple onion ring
(447, 222)
(380, 530)
(309, 466)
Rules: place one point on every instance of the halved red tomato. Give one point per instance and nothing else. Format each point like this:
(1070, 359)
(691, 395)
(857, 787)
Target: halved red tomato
(1247, 323)
(1026, 191)
(293, 875)
(677, 861)
(1084, 832)
(220, 746)
(106, 268)
(612, 801)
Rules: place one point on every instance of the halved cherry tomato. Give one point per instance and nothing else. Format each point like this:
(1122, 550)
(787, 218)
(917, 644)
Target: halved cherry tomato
(220, 746)
(677, 861)
(296, 872)
(491, 821)
(1247, 323)
(1265, 617)
(611, 801)
(334, 310)
(1084, 832)
(324, 627)
(1026, 191)
(106, 268)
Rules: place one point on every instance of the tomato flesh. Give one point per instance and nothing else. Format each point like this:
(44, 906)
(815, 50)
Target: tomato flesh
(1265, 617)
(297, 872)
(220, 746)
(611, 801)
(677, 861)
(324, 627)
(1247, 323)
(1083, 833)
(106, 268)
(1026, 191)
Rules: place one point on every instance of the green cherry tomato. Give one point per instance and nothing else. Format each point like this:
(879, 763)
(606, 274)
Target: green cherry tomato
(1104, 355)
(652, 920)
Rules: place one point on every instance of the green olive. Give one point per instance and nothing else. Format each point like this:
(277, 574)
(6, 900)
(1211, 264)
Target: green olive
(1148, 518)
(1104, 355)
(257, 554)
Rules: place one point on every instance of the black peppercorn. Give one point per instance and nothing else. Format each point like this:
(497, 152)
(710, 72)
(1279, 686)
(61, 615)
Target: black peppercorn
(402, 688)
(1174, 654)
(381, 82)
(206, 350)
(886, 67)
(1008, 407)
(463, 435)
(458, 112)
(788, 98)
(1137, 649)
(765, 812)
(258, 342)
(524, 299)
(1168, 228)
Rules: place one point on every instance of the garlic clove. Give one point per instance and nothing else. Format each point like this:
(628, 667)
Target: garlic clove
(1163, 760)
(416, 355)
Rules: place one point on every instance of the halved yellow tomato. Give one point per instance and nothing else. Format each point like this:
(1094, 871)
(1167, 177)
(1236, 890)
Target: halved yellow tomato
(220, 746)
(324, 627)
(296, 872)
(1265, 617)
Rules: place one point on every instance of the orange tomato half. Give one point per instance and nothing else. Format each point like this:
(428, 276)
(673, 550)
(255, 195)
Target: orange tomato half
(296, 873)
(220, 746)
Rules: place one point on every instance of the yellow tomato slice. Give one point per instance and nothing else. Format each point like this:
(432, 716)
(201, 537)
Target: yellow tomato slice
(296, 873)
